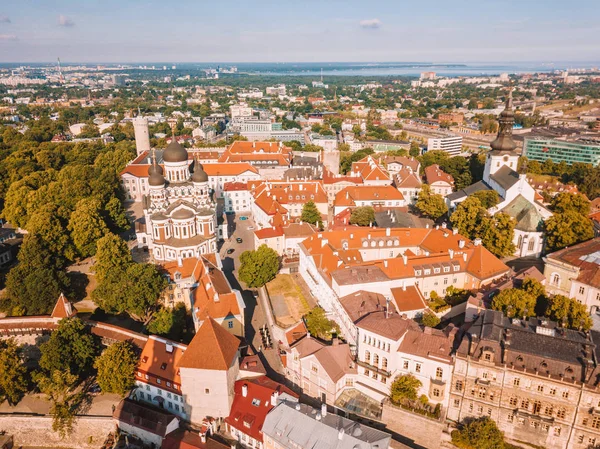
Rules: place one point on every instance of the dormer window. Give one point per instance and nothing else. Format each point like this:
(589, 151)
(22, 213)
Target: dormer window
(436, 270)
(446, 269)
(427, 271)
(417, 272)
(163, 366)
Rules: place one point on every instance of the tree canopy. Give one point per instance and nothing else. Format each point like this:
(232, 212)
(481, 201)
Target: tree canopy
(363, 216)
(112, 255)
(310, 213)
(566, 229)
(70, 347)
(33, 286)
(431, 204)
(481, 433)
(116, 368)
(259, 266)
(135, 290)
(514, 302)
(429, 319)
(404, 387)
(13, 374)
(169, 323)
(319, 325)
(569, 311)
(565, 201)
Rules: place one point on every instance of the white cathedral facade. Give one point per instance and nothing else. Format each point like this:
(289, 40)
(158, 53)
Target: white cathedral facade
(179, 214)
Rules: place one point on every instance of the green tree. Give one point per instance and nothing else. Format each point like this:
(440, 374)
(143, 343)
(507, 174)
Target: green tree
(135, 290)
(259, 266)
(13, 374)
(481, 433)
(404, 387)
(87, 226)
(89, 131)
(468, 217)
(567, 229)
(565, 201)
(363, 216)
(319, 325)
(116, 215)
(487, 198)
(357, 131)
(497, 234)
(47, 225)
(310, 213)
(70, 347)
(430, 204)
(169, 323)
(112, 255)
(514, 302)
(116, 368)
(33, 286)
(415, 149)
(430, 319)
(569, 311)
(60, 387)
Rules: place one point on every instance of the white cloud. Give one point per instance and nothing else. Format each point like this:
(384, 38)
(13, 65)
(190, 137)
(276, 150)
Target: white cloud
(370, 23)
(8, 37)
(65, 21)
(4, 19)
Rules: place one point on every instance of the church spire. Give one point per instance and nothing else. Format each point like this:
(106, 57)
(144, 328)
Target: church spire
(504, 142)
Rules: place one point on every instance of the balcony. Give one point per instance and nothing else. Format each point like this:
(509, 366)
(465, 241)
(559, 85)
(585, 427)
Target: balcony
(373, 368)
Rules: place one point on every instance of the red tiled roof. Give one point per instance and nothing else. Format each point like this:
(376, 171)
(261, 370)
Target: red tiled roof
(409, 299)
(248, 412)
(63, 308)
(269, 233)
(351, 194)
(161, 358)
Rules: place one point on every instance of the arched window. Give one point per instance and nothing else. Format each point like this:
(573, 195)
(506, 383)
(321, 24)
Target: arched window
(555, 279)
(367, 357)
(520, 243)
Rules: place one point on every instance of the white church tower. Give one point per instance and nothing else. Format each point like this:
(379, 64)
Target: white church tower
(142, 135)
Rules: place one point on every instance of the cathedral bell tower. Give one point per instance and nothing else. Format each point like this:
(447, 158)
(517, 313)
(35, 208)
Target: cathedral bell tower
(503, 147)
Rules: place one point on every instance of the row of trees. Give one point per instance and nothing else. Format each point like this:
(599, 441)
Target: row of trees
(530, 299)
(69, 360)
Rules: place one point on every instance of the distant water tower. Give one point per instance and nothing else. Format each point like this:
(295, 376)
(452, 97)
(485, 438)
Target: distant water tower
(142, 135)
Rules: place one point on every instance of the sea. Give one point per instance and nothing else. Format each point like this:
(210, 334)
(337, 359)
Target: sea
(361, 69)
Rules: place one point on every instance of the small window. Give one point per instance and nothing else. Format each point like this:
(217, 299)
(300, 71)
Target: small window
(256, 402)
(207, 391)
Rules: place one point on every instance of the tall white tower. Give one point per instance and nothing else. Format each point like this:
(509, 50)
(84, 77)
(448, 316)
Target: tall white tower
(142, 135)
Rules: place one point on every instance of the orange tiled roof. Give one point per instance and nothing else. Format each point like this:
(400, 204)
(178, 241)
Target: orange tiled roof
(351, 194)
(269, 233)
(370, 170)
(161, 358)
(212, 348)
(228, 169)
(434, 173)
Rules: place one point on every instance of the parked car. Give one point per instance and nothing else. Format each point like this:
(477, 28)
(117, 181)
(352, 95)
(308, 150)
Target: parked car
(230, 250)
(243, 218)
(239, 240)
(250, 228)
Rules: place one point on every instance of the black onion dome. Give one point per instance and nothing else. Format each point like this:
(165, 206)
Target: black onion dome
(155, 175)
(199, 175)
(175, 152)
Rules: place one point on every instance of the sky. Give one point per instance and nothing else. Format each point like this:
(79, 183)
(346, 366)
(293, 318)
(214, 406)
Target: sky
(299, 30)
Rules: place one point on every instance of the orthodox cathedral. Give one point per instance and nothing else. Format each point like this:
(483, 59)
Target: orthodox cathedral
(517, 197)
(179, 214)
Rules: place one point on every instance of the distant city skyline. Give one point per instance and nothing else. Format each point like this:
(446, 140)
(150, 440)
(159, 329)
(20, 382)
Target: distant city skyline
(307, 31)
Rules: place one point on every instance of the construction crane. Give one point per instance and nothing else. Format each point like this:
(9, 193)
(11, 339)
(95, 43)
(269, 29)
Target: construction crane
(60, 75)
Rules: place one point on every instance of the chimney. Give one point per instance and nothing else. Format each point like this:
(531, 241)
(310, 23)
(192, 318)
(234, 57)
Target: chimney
(405, 259)
(179, 262)
(388, 232)
(318, 417)
(297, 406)
(245, 390)
(477, 242)
(426, 253)
(451, 253)
(274, 398)
(465, 257)
(323, 410)
(202, 437)
(454, 231)
(341, 433)
(461, 243)
(385, 263)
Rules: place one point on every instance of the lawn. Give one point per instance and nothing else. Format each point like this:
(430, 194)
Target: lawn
(294, 305)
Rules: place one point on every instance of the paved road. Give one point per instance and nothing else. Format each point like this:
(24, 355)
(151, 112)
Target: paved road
(258, 313)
